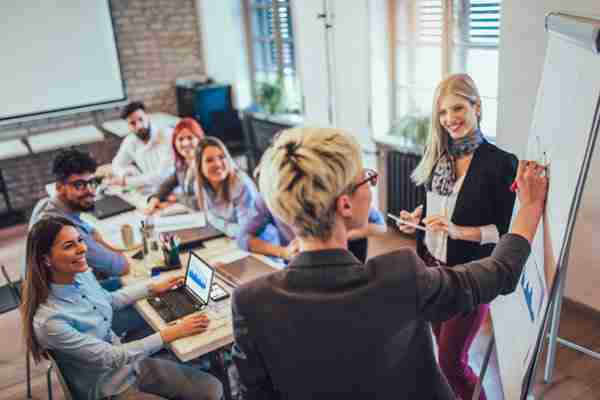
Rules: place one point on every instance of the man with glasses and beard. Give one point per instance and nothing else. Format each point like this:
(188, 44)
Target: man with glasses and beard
(144, 153)
(75, 193)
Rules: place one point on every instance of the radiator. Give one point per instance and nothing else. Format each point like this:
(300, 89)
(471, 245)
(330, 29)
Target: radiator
(402, 194)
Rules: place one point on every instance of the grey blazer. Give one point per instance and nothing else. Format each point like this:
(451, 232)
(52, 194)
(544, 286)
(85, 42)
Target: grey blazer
(329, 327)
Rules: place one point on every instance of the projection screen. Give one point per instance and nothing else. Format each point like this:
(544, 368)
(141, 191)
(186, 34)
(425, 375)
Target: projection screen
(58, 56)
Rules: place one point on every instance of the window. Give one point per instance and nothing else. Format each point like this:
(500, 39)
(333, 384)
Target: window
(433, 38)
(271, 50)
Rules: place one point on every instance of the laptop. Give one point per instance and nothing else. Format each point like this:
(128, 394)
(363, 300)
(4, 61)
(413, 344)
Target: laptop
(111, 205)
(191, 238)
(244, 270)
(191, 297)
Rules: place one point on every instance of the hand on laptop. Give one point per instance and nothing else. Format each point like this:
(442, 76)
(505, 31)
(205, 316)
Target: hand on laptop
(186, 326)
(165, 284)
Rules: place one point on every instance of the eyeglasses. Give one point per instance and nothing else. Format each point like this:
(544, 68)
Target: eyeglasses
(79, 184)
(371, 176)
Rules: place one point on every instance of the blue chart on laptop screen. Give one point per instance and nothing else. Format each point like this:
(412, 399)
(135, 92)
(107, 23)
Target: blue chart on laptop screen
(199, 278)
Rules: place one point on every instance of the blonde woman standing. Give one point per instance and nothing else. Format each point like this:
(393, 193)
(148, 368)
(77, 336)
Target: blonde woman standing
(468, 207)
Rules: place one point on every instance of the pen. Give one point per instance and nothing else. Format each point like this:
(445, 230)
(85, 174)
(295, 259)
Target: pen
(403, 222)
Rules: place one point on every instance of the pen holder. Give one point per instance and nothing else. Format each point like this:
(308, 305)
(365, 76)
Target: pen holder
(171, 257)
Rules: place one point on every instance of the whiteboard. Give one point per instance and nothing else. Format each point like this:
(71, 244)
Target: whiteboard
(564, 117)
(57, 55)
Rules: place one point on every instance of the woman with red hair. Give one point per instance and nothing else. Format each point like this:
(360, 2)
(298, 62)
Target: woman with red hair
(186, 136)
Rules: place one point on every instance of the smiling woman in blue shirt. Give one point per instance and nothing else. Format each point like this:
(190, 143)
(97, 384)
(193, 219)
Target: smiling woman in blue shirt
(68, 314)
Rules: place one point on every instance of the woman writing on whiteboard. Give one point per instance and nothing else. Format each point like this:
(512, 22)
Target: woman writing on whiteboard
(468, 207)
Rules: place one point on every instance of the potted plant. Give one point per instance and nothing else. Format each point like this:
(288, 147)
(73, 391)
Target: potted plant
(270, 95)
(413, 129)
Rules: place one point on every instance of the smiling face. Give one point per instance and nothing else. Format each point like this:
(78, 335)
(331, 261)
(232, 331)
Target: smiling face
(457, 115)
(214, 165)
(67, 254)
(186, 143)
(78, 191)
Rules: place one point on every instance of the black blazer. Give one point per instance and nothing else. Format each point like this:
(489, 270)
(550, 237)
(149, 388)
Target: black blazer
(329, 327)
(484, 198)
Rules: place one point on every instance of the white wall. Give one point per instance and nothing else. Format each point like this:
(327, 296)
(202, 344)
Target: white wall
(311, 60)
(221, 25)
(522, 51)
(352, 52)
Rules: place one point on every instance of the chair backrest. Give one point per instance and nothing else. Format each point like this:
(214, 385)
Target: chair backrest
(10, 294)
(63, 382)
(259, 133)
(227, 126)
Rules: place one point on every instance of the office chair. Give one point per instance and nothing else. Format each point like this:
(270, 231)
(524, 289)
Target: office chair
(227, 126)
(61, 379)
(10, 298)
(259, 132)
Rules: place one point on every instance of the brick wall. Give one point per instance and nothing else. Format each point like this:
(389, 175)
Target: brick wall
(158, 41)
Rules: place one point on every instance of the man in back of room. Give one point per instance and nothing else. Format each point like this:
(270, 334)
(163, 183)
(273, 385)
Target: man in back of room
(145, 153)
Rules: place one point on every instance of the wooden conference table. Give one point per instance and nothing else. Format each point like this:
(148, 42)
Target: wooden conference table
(220, 330)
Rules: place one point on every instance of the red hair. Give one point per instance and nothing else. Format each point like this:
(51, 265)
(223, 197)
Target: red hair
(188, 124)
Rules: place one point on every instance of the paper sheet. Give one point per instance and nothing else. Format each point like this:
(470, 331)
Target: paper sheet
(176, 222)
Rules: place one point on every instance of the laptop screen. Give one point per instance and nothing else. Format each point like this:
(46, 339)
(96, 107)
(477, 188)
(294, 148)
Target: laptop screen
(199, 277)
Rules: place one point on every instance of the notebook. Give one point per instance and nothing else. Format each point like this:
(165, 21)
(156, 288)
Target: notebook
(244, 270)
(191, 238)
(111, 205)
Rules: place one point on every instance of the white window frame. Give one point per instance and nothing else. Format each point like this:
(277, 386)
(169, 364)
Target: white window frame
(250, 7)
(449, 45)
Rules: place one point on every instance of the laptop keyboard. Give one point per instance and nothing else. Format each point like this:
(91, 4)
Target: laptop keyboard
(175, 304)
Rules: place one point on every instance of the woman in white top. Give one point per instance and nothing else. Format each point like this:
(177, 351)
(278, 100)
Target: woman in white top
(225, 192)
(468, 207)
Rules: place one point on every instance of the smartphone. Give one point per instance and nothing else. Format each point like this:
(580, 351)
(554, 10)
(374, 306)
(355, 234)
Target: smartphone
(217, 293)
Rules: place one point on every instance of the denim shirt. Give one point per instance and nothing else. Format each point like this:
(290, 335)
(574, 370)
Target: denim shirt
(99, 257)
(75, 324)
(231, 216)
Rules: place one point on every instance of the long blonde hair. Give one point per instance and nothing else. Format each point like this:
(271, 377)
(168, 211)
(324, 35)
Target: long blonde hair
(437, 144)
(36, 286)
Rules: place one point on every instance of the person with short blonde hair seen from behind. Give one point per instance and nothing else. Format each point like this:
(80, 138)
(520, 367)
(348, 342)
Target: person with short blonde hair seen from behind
(330, 327)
